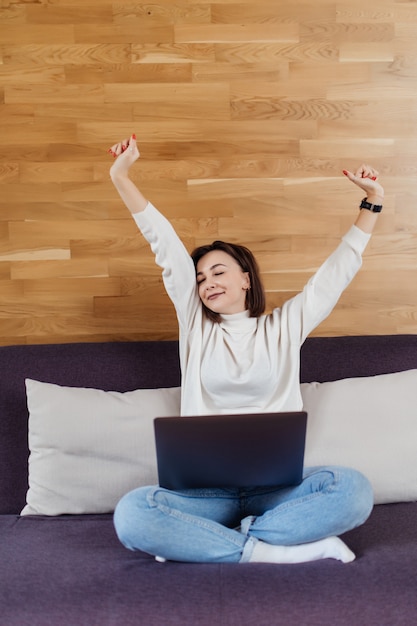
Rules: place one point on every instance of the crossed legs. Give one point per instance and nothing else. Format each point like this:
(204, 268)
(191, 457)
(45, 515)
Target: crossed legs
(289, 525)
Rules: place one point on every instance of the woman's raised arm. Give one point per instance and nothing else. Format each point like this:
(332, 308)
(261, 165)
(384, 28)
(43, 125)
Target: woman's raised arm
(126, 153)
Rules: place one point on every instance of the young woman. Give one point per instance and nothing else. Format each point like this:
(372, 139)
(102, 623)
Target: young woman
(234, 358)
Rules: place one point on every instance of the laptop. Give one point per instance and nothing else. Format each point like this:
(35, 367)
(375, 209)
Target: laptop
(245, 450)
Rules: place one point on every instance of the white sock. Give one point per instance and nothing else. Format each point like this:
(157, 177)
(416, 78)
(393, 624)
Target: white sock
(160, 559)
(329, 548)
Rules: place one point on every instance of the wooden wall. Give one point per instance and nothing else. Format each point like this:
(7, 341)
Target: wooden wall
(246, 113)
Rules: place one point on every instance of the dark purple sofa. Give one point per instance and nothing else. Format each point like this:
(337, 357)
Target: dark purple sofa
(72, 571)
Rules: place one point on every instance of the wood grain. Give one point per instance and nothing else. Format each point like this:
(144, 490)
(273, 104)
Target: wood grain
(246, 114)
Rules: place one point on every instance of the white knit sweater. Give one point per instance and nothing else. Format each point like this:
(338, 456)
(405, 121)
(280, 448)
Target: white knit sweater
(244, 364)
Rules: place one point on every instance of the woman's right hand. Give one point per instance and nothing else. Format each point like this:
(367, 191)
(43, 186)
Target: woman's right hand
(125, 153)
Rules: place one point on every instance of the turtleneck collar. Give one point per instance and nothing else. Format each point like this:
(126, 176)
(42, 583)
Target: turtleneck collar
(238, 322)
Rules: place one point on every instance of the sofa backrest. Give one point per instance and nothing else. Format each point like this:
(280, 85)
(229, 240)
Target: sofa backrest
(127, 366)
(325, 359)
(110, 366)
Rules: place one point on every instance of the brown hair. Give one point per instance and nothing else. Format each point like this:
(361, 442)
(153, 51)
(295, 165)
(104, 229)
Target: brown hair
(255, 296)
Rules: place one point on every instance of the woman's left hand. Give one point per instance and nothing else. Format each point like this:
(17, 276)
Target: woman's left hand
(366, 177)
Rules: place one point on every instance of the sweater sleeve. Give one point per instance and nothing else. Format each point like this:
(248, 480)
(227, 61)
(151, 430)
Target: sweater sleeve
(178, 271)
(308, 309)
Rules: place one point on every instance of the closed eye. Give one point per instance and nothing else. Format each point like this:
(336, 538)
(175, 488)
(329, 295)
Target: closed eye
(201, 278)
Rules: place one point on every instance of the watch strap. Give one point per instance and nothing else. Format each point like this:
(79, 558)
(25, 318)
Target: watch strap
(375, 208)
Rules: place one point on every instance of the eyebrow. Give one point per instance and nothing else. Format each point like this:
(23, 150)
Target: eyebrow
(213, 267)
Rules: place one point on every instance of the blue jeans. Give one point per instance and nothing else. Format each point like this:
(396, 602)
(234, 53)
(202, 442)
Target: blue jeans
(223, 525)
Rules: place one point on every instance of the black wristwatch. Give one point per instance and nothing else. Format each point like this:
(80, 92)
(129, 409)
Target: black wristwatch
(375, 208)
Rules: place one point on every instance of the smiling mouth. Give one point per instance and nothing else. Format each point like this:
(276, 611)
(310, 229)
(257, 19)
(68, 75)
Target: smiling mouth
(213, 296)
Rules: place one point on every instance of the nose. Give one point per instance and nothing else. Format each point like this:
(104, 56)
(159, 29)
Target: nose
(211, 284)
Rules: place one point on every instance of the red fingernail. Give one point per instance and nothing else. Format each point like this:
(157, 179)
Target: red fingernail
(373, 178)
(345, 172)
(109, 151)
(134, 136)
(124, 148)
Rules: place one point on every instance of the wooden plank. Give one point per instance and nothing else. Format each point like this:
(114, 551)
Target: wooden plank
(216, 33)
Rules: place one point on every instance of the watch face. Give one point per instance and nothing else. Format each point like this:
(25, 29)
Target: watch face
(375, 208)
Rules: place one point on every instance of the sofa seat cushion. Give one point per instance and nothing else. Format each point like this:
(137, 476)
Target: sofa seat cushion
(76, 572)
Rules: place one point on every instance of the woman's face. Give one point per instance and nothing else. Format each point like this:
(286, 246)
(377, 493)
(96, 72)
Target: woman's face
(222, 284)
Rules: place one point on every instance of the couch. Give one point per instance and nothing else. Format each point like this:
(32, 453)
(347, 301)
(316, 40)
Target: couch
(64, 568)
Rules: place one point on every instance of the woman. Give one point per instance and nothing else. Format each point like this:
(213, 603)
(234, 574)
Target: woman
(236, 359)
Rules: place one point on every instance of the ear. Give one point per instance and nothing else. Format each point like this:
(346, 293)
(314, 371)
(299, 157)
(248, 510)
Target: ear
(246, 281)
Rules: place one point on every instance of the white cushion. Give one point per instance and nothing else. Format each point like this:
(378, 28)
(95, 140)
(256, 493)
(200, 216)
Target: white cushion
(369, 424)
(88, 447)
